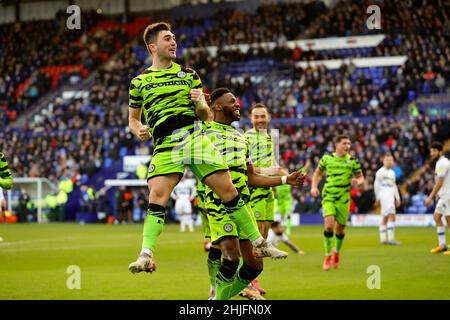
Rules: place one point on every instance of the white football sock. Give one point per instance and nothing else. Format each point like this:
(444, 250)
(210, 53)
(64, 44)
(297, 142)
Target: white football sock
(390, 230)
(382, 233)
(441, 236)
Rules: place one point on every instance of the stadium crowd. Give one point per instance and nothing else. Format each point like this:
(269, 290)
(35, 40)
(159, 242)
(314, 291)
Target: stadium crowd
(270, 22)
(49, 44)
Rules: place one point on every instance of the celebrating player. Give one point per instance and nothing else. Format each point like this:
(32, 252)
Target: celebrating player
(260, 142)
(387, 195)
(172, 99)
(441, 189)
(261, 154)
(342, 171)
(232, 145)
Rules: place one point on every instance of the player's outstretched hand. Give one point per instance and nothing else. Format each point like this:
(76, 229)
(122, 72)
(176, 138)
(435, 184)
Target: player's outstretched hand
(315, 192)
(296, 178)
(143, 133)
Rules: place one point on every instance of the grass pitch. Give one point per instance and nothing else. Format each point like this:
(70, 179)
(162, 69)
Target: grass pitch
(34, 260)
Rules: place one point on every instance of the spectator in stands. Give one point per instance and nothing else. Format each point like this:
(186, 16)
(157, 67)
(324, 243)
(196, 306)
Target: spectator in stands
(440, 83)
(23, 208)
(126, 206)
(142, 203)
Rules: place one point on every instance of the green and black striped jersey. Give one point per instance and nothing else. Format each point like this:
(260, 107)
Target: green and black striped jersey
(201, 189)
(260, 148)
(232, 146)
(165, 98)
(6, 181)
(261, 156)
(339, 173)
(200, 186)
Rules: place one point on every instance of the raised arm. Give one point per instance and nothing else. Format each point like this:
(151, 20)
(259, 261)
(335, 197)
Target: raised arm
(201, 107)
(256, 180)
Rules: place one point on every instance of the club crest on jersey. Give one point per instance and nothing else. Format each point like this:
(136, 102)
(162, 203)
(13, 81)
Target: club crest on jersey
(228, 227)
(181, 74)
(149, 78)
(257, 214)
(151, 168)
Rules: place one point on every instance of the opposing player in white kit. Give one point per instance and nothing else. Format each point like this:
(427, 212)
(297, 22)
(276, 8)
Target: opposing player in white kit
(442, 189)
(387, 195)
(183, 194)
(276, 235)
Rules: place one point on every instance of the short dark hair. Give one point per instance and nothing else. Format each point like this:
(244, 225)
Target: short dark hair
(341, 137)
(275, 224)
(437, 145)
(151, 32)
(259, 106)
(217, 93)
(388, 154)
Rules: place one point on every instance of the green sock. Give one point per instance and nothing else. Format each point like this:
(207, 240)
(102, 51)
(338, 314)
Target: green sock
(339, 241)
(223, 286)
(224, 278)
(328, 242)
(213, 268)
(238, 211)
(153, 226)
(238, 285)
(243, 278)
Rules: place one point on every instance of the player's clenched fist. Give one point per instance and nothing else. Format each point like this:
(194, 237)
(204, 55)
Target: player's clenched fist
(315, 192)
(296, 178)
(197, 96)
(143, 133)
(207, 98)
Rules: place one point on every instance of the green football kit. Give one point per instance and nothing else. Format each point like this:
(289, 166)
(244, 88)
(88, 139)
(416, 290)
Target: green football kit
(261, 156)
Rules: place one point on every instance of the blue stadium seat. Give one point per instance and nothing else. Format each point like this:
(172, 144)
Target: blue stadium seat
(421, 209)
(123, 151)
(107, 163)
(412, 210)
